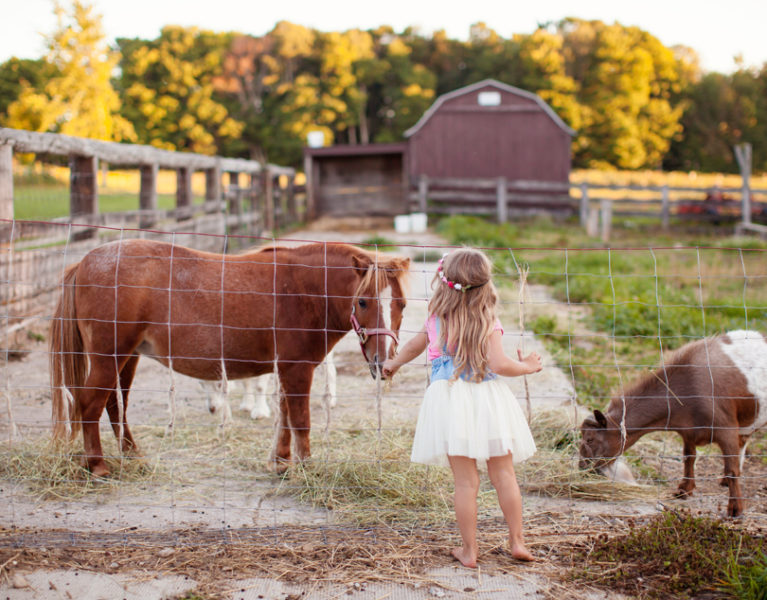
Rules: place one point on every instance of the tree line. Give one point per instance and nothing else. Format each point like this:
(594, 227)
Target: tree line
(634, 103)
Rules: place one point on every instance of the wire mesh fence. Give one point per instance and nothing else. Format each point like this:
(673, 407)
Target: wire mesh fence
(606, 320)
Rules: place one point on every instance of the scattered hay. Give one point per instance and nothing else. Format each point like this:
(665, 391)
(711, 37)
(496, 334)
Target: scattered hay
(215, 558)
(364, 477)
(367, 480)
(53, 471)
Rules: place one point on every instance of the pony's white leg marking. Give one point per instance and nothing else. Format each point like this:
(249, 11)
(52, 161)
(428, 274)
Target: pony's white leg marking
(743, 454)
(748, 352)
(250, 387)
(262, 383)
(330, 379)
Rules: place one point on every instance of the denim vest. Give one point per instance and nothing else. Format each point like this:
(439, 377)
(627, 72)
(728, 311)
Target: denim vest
(443, 367)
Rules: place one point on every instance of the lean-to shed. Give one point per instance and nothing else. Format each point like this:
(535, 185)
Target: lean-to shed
(354, 181)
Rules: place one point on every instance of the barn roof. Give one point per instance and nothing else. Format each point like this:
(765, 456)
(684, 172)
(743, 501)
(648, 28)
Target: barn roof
(479, 85)
(357, 149)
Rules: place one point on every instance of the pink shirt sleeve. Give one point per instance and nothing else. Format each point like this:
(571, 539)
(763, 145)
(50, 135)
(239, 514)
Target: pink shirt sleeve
(433, 350)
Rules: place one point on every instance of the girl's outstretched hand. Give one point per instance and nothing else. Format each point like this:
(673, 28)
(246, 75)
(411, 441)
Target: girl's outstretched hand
(389, 368)
(532, 361)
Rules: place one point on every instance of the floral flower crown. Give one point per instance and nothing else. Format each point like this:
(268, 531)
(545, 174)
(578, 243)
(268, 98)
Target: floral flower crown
(452, 284)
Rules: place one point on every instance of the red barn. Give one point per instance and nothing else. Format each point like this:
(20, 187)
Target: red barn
(484, 131)
(490, 129)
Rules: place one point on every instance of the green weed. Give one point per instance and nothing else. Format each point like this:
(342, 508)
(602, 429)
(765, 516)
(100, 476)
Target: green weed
(672, 555)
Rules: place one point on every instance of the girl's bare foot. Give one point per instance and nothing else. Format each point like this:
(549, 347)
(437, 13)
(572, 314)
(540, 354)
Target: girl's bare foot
(521, 553)
(465, 557)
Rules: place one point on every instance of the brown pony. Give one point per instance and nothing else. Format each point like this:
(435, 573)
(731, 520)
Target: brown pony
(710, 391)
(212, 317)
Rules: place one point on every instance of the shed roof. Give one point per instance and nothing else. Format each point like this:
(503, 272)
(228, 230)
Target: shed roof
(492, 83)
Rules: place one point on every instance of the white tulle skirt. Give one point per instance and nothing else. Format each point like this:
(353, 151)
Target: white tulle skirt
(478, 420)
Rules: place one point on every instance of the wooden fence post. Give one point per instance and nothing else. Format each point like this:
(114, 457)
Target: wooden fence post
(213, 189)
(502, 199)
(665, 209)
(84, 195)
(606, 208)
(183, 193)
(311, 209)
(6, 190)
(83, 192)
(268, 190)
(6, 181)
(744, 156)
(234, 198)
(291, 199)
(147, 198)
(584, 204)
(253, 188)
(423, 192)
(592, 220)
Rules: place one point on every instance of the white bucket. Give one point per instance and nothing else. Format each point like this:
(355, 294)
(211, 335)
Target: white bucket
(418, 222)
(402, 223)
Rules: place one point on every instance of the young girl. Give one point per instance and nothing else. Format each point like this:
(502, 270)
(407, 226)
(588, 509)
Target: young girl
(467, 413)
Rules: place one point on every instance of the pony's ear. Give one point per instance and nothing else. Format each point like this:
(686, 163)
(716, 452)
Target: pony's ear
(361, 262)
(601, 419)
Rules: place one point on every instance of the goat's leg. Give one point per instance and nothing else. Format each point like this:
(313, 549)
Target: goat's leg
(731, 454)
(687, 484)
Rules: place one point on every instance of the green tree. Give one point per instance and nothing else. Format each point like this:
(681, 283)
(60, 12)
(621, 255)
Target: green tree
(168, 90)
(723, 110)
(270, 86)
(17, 74)
(628, 81)
(543, 67)
(78, 99)
(398, 89)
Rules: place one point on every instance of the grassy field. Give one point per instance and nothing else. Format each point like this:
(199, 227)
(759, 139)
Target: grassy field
(42, 192)
(623, 304)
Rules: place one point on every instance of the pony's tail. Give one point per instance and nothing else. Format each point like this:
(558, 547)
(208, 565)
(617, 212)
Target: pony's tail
(68, 363)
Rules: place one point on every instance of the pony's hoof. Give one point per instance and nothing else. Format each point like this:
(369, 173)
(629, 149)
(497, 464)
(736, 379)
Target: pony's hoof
(257, 413)
(734, 510)
(278, 466)
(682, 493)
(99, 472)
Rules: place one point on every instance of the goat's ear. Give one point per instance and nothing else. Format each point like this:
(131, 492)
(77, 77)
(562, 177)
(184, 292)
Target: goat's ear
(601, 419)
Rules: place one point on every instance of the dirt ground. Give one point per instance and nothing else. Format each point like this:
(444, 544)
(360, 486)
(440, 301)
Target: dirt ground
(137, 533)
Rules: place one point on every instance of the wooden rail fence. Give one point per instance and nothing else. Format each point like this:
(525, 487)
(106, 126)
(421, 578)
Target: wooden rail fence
(595, 204)
(29, 274)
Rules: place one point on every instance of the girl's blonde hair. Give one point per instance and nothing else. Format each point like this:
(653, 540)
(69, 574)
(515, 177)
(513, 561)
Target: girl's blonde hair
(467, 316)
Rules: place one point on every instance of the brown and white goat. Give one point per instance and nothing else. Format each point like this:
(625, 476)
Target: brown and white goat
(712, 390)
